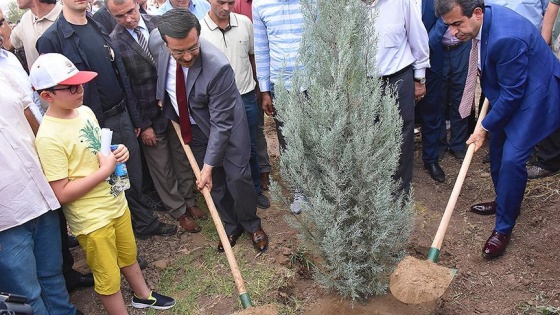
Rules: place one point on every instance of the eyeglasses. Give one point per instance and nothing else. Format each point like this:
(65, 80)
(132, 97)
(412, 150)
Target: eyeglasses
(72, 88)
(179, 53)
(127, 13)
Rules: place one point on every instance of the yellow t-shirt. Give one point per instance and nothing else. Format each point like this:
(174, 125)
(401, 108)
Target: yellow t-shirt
(68, 149)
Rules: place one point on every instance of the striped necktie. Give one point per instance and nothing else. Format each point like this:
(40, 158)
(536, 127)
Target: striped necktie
(470, 84)
(143, 43)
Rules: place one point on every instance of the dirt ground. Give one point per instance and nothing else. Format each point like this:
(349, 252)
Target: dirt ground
(519, 282)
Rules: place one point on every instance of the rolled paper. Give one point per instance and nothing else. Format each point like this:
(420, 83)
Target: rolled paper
(106, 137)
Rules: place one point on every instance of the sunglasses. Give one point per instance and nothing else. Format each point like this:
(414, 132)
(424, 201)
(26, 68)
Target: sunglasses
(72, 88)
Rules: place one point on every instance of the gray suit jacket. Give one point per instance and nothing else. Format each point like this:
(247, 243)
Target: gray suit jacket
(214, 102)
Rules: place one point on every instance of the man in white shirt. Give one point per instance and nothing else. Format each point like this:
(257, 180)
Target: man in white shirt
(402, 59)
(30, 244)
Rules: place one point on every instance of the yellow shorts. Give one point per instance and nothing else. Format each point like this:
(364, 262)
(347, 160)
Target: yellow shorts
(109, 249)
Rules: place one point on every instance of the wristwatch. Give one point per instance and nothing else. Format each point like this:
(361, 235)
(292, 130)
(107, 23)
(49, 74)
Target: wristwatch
(420, 80)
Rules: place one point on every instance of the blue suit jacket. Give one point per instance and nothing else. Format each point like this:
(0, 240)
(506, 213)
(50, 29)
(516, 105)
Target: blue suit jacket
(435, 28)
(520, 77)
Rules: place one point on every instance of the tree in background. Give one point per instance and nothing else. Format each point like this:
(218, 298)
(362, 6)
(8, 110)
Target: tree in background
(343, 143)
(14, 13)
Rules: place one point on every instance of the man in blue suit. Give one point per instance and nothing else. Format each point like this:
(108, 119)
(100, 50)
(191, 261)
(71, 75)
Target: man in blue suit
(429, 108)
(521, 78)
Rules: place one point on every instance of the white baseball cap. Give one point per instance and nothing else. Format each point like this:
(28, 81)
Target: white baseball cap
(50, 70)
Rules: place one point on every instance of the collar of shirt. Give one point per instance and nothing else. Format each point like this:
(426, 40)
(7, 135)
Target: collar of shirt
(3, 54)
(213, 26)
(51, 16)
(479, 38)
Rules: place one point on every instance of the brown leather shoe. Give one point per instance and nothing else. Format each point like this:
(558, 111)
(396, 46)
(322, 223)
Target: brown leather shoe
(260, 240)
(495, 245)
(232, 241)
(265, 180)
(196, 213)
(189, 224)
(485, 208)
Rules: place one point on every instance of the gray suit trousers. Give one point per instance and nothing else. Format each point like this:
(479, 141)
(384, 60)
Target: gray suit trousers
(232, 190)
(171, 172)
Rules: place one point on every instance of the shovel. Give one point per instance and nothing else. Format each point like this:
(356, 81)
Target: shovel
(416, 281)
(239, 284)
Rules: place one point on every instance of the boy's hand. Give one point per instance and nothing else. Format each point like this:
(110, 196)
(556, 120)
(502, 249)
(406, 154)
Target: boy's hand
(106, 163)
(121, 153)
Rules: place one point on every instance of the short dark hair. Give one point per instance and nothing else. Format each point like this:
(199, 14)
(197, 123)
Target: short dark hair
(445, 6)
(48, 1)
(177, 23)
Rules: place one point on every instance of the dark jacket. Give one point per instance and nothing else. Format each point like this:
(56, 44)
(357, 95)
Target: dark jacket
(61, 38)
(142, 73)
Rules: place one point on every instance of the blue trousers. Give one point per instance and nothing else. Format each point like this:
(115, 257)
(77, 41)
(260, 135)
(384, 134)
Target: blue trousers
(250, 102)
(31, 265)
(509, 175)
(454, 75)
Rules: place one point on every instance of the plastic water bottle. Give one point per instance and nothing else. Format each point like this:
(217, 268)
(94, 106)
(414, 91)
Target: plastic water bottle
(122, 182)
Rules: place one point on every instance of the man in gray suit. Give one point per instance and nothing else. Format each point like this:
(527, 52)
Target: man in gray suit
(170, 170)
(197, 87)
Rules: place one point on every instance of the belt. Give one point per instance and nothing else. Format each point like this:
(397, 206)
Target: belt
(403, 70)
(115, 110)
(452, 47)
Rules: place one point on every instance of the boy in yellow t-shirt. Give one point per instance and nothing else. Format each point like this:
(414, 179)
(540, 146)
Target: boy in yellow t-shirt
(69, 144)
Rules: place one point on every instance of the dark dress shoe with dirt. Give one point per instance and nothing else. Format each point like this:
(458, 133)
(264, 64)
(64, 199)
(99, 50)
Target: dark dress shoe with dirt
(459, 154)
(495, 245)
(534, 172)
(435, 171)
(232, 241)
(196, 213)
(263, 202)
(260, 240)
(163, 229)
(188, 223)
(484, 208)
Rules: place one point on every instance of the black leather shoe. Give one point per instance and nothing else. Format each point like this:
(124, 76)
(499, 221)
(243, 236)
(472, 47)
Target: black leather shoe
(74, 279)
(232, 241)
(435, 171)
(86, 280)
(260, 240)
(484, 208)
(495, 245)
(163, 229)
(459, 154)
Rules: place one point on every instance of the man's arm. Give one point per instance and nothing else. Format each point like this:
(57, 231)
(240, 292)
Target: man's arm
(262, 51)
(548, 21)
(33, 123)
(510, 56)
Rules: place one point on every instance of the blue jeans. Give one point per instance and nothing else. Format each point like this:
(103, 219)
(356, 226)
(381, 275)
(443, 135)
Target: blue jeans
(250, 102)
(31, 265)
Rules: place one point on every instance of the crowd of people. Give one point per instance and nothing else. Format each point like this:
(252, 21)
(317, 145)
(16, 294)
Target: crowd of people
(211, 66)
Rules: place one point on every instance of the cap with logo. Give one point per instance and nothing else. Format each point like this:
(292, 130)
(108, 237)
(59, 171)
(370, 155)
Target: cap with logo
(50, 70)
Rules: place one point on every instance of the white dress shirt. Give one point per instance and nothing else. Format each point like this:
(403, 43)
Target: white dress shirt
(403, 40)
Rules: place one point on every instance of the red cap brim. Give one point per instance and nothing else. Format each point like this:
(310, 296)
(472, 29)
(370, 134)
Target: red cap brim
(80, 78)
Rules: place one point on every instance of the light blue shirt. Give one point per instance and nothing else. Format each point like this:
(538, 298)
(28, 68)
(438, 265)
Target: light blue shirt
(533, 10)
(198, 7)
(278, 27)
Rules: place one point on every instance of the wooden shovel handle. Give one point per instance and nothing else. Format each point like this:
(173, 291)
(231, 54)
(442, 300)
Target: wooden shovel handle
(239, 284)
(438, 239)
